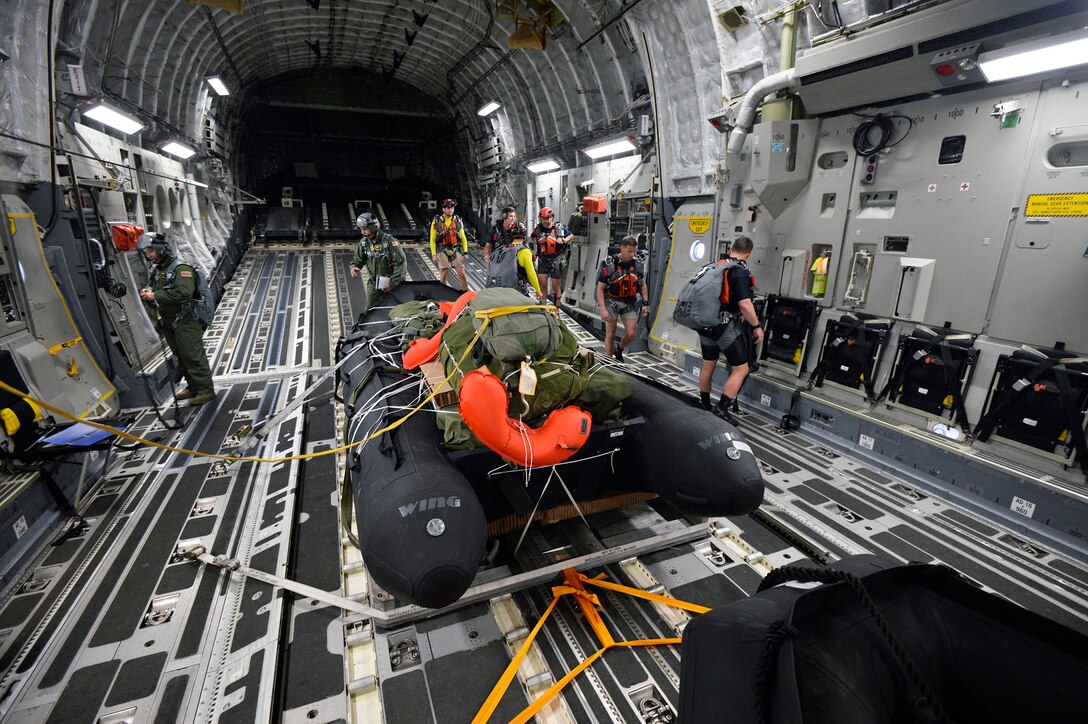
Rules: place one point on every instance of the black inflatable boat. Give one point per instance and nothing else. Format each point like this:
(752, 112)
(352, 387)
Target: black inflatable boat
(422, 510)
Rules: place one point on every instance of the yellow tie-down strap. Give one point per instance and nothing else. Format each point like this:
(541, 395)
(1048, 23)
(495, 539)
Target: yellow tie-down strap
(57, 348)
(574, 585)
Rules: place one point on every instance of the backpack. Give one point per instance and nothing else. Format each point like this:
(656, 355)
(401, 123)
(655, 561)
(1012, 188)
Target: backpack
(503, 270)
(202, 303)
(699, 304)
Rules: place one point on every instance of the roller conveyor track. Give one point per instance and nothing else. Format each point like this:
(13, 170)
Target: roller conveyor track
(113, 623)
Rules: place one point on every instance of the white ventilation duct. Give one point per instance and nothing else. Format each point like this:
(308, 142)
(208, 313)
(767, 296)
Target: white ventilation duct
(784, 80)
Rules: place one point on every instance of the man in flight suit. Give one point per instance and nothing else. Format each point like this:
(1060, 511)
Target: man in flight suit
(173, 286)
(383, 256)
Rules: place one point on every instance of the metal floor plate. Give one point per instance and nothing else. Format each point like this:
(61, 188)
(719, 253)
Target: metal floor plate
(113, 625)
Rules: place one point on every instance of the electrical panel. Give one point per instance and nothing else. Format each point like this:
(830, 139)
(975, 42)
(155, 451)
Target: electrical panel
(630, 216)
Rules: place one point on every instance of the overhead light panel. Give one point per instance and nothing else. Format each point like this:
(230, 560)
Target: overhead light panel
(178, 150)
(1037, 56)
(543, 166)
(113, 118)
(488, 108)
(217, 85)
(610, 149)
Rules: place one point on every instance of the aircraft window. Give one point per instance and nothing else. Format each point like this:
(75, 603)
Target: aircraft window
(698, 250)
(951, 150)
(1074, 153)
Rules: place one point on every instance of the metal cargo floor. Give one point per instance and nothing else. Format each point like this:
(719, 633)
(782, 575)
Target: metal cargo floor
(112, 625)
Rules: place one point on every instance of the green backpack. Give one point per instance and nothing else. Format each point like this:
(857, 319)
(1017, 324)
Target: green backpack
(512, 337)
(203, 302)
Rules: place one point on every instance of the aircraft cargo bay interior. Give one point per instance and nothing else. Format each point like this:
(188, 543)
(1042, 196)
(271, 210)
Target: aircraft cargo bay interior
(543, 360)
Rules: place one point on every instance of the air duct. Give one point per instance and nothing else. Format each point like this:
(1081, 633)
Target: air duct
(784, 80)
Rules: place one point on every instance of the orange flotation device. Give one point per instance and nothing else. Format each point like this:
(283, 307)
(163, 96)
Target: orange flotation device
(484, 407)
(424, 349)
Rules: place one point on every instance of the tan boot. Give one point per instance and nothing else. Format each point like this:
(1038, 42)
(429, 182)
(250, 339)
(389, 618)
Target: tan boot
(185, 394)
(202, 398)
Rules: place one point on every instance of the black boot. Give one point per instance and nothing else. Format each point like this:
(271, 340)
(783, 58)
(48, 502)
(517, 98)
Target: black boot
(704, 401)
(722, 410)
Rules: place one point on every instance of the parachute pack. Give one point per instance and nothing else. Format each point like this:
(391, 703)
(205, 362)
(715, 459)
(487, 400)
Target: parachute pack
(203, 303)
(503, 270)
(699, 304)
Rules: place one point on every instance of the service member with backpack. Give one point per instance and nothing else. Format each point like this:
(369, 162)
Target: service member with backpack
(185, 307)
(511, 266)
(717, 302)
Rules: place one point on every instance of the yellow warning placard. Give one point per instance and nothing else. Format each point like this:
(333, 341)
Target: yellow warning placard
(699, 224)
(1057, 205)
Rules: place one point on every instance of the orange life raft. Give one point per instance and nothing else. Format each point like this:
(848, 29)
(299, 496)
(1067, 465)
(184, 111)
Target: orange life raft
(485, 406)
(425, 349)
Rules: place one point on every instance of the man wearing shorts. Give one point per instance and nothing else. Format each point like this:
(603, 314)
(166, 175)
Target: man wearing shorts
(620, 282)
(449, 243)
(729, 337)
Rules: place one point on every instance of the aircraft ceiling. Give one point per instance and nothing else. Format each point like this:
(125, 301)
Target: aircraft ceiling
(156, 54)
(604, 62)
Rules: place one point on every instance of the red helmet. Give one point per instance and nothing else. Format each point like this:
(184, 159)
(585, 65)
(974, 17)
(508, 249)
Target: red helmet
(518, 232)
(448, 202)
(547, 213)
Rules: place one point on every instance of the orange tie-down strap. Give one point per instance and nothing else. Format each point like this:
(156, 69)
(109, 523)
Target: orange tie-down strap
(574, 585)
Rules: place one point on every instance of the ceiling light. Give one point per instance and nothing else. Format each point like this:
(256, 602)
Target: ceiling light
(610, 149)
(1037, 56)
(113, 118)
(217, 85)
(178, 150)
(488, 108)
(547, 164)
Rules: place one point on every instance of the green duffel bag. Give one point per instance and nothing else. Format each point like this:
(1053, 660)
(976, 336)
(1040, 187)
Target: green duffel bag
(422, 315)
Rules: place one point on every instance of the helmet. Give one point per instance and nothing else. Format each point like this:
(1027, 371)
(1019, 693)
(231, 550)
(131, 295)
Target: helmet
(518, 232)
(367, 220)
(547, 213)
(153, 240)
(448, 202)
